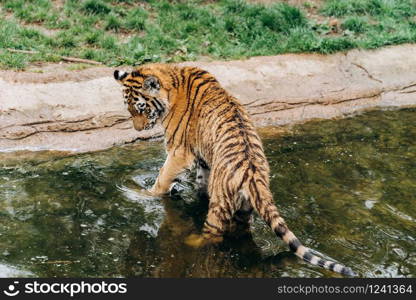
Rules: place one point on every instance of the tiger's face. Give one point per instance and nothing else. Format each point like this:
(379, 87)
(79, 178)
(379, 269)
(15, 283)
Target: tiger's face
(144, 98)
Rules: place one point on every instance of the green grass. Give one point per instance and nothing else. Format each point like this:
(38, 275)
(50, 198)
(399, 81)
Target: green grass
(355, 24)
(376, 8)
(118, 32)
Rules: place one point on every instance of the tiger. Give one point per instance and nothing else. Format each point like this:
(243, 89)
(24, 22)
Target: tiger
(208, 128)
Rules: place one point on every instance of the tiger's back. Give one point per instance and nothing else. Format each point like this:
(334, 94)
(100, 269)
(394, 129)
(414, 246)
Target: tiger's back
(205, 125)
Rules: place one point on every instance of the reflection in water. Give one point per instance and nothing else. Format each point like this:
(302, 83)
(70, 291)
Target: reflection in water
(345, 187)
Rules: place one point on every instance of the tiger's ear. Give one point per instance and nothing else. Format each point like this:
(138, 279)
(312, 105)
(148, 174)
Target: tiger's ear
(151, 84)
(120, 75)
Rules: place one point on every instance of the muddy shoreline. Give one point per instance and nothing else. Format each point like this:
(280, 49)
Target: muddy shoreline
(83, 110)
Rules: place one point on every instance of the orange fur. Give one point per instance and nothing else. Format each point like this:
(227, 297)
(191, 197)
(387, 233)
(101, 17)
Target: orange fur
(206, 126)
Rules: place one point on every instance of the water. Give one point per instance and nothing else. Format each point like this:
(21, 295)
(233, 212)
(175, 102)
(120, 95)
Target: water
(346, 188)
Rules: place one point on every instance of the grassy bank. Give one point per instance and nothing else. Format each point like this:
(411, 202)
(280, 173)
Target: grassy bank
(117, 32)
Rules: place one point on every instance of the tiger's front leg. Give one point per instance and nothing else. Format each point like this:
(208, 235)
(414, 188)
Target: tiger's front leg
(175, 164)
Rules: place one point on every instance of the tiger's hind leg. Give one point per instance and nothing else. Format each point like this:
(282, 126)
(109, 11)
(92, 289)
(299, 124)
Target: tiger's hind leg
(240, 224)
(215, 226)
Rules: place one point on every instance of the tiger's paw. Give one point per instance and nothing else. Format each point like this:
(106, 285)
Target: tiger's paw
(195, 240)
(155, 193)
(147, 193)
(199, 241)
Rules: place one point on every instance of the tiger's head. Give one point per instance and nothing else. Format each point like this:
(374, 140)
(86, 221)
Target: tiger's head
(146, 99)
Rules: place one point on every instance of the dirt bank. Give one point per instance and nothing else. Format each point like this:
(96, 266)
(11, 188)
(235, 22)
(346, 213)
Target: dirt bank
(83, 110)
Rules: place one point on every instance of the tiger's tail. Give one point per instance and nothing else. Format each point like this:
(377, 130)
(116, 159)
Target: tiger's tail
(305, 253)
(268, 211)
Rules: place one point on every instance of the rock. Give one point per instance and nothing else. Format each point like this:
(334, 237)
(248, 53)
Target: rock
(83, 110)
